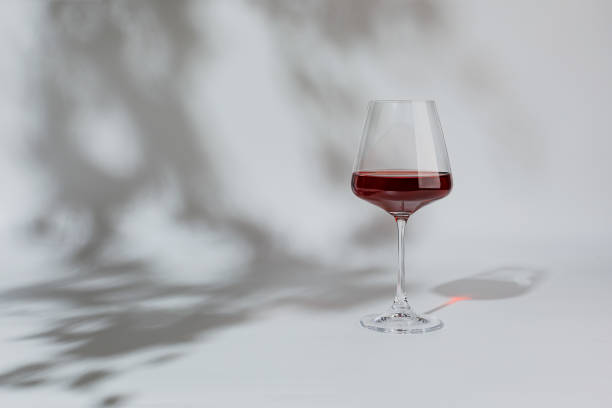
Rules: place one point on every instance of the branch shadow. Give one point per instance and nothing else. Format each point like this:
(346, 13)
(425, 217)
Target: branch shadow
(126, 57)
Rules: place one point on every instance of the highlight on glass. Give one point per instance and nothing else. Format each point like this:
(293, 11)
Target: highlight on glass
(402, 165)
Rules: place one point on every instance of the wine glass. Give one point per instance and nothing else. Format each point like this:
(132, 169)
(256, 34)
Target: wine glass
(401, 166)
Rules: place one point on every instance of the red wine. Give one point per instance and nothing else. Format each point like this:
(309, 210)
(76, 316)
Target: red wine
(401, 192)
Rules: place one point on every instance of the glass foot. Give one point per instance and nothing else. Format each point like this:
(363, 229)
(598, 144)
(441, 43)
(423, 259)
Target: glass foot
(401, 321)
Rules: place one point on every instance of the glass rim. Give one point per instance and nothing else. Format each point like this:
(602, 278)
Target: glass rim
(400, 100)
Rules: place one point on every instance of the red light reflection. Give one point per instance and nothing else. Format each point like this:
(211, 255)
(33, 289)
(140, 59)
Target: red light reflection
(449, 302)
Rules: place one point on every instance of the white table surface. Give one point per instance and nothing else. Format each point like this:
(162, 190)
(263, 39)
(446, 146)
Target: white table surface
(541, 341)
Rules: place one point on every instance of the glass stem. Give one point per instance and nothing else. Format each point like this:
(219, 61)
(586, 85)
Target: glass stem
(401, 300)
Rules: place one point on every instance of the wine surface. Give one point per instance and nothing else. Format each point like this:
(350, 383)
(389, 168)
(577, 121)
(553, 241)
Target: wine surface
(400, 192)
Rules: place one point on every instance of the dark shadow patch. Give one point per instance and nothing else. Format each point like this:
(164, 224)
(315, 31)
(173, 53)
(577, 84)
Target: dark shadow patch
(27, 375)
(113, 401)
(90, 378)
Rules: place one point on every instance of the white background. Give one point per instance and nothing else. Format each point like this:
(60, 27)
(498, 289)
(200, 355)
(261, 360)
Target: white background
(177, 227)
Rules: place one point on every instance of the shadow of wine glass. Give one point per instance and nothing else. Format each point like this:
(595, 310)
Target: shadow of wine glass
(500, 283)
